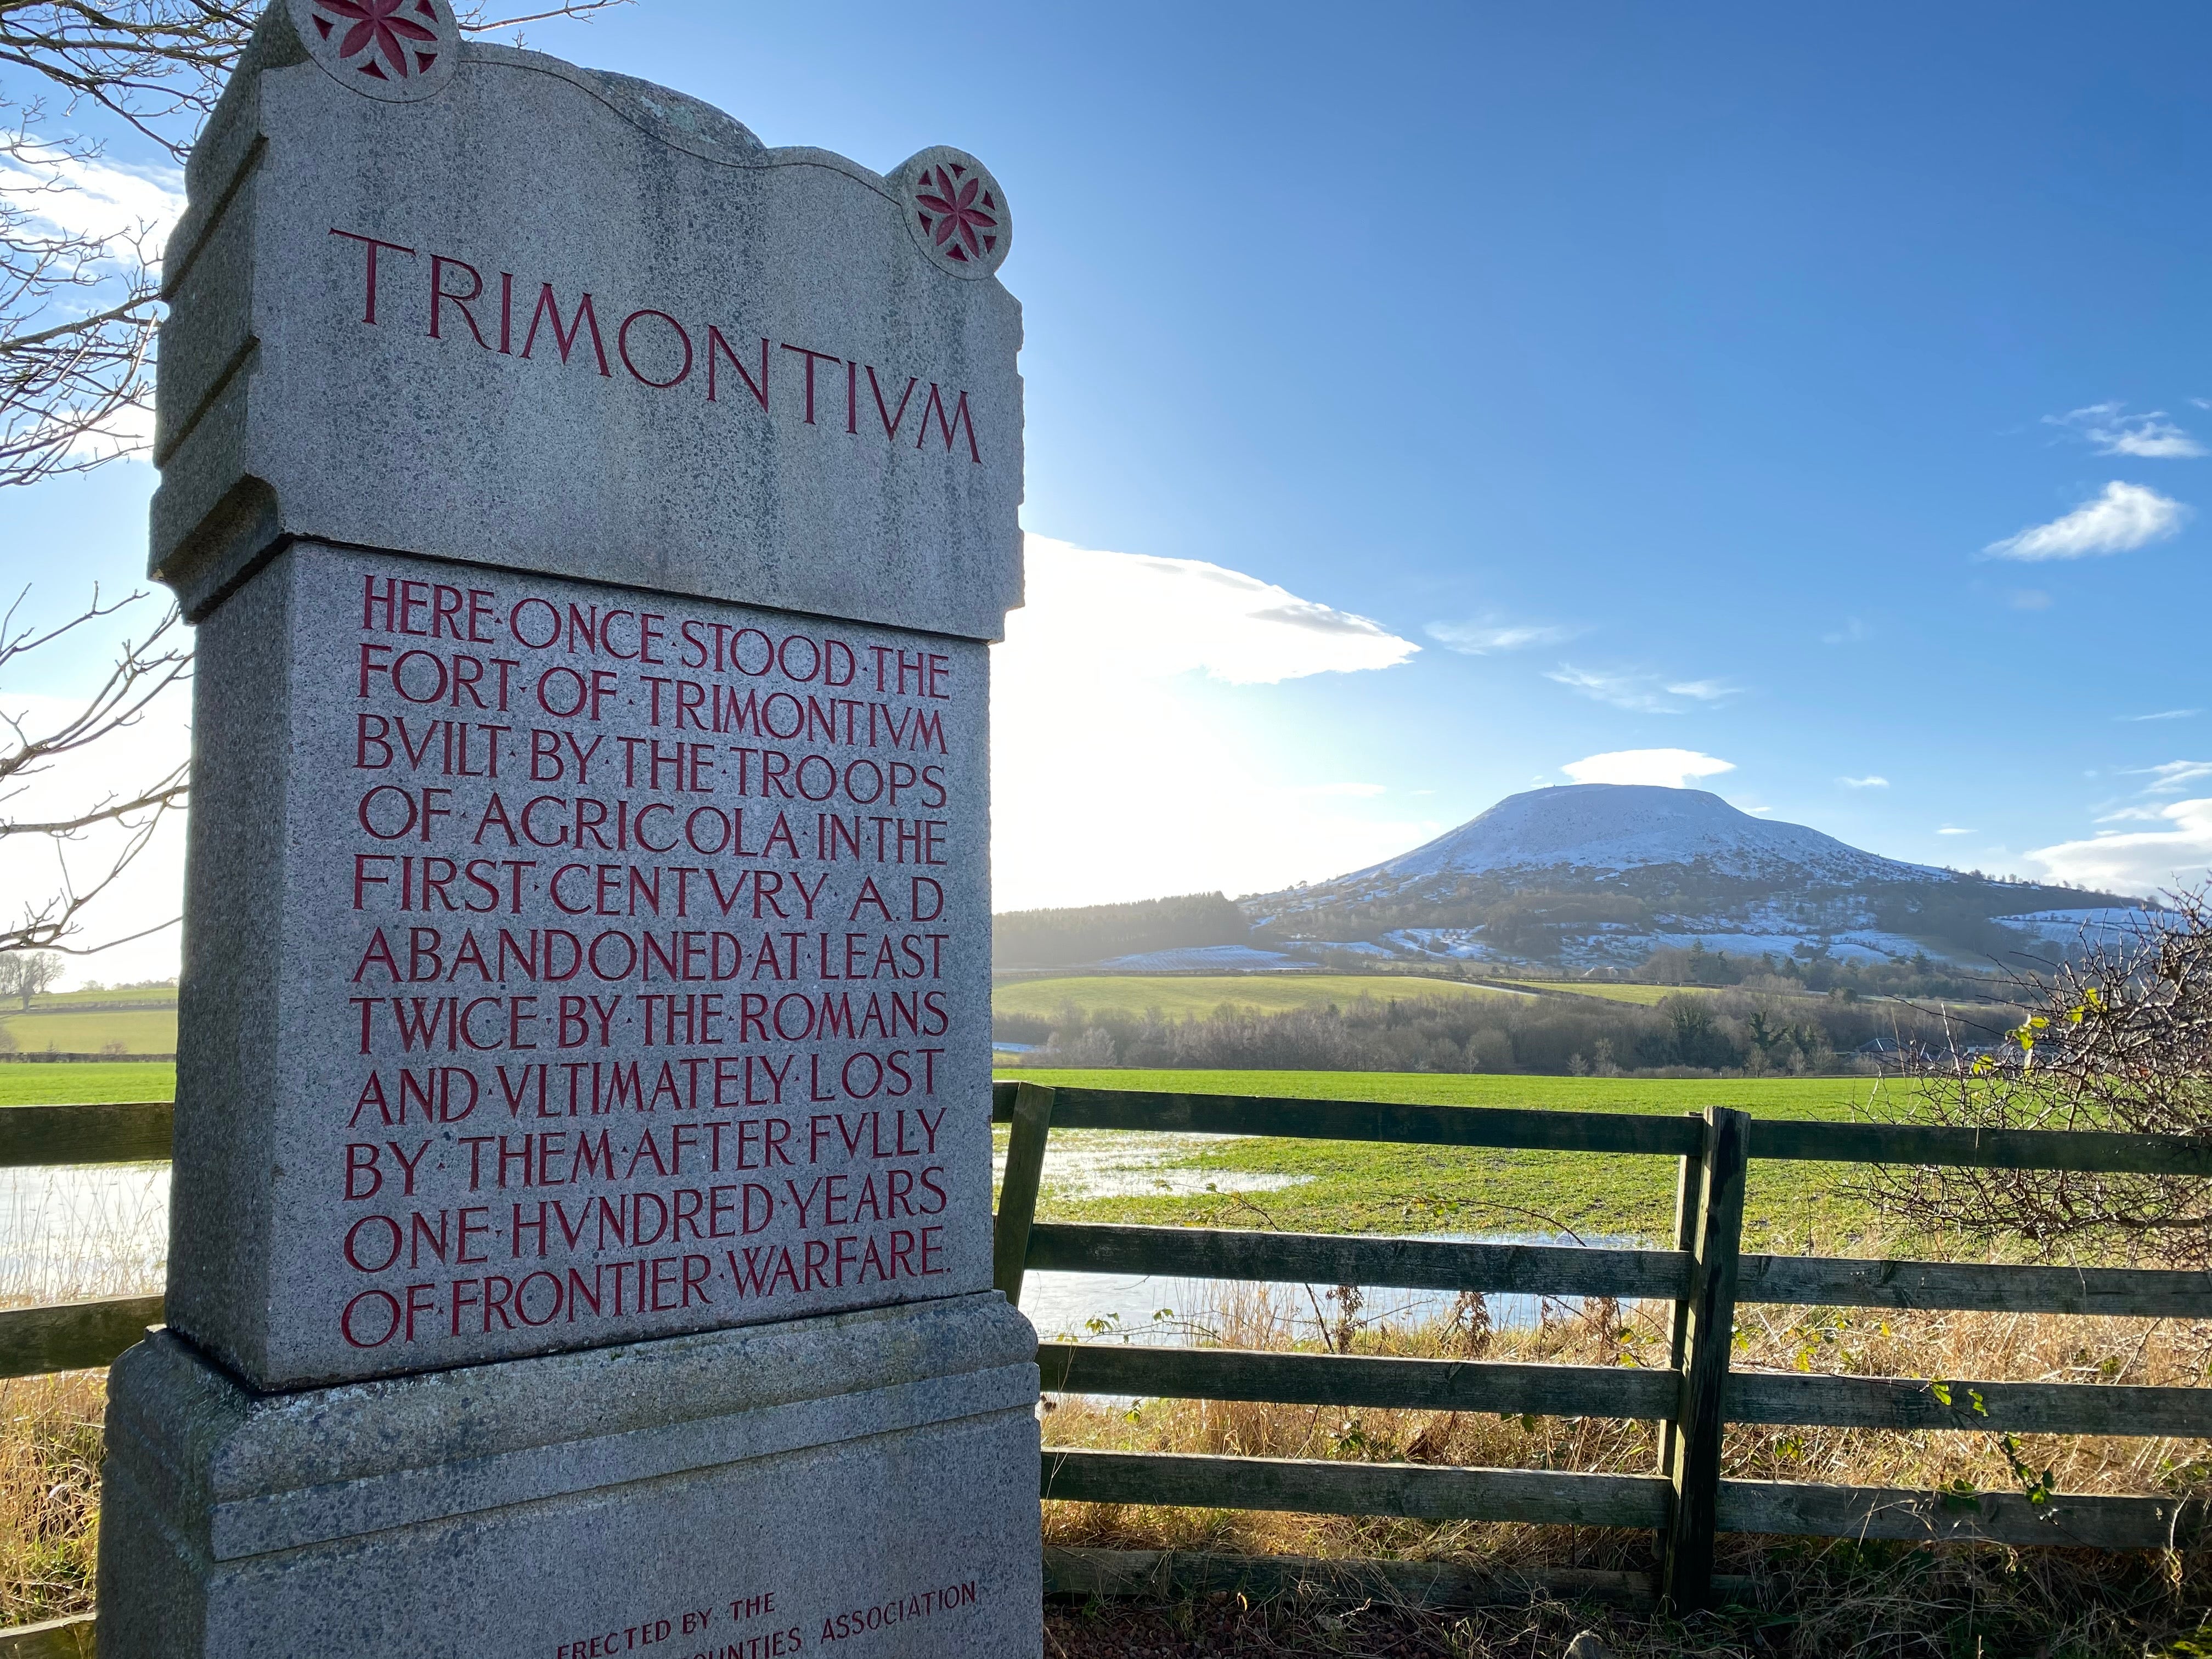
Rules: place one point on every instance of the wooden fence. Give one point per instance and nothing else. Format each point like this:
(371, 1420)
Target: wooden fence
(1705, 1275)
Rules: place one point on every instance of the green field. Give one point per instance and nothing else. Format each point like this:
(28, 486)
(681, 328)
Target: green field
(79, 999)
(1645, 995)
(89, 1030)
(36, 1084)
(1178, 996)
(1357, 1188)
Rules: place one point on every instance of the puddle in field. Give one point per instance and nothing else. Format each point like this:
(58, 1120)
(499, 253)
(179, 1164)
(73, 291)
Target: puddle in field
(1108, 1307)
(1081, 1163)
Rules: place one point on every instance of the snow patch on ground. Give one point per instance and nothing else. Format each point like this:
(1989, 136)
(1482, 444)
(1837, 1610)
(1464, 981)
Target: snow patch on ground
(1457, 943)
(2097, 926)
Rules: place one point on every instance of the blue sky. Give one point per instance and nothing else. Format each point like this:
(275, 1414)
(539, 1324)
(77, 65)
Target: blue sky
(1708, 380)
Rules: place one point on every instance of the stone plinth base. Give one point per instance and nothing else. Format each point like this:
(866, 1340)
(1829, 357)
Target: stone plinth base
(862, 1483)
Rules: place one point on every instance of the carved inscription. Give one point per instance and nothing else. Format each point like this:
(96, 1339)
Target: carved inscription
(651, 922)
(454, 300)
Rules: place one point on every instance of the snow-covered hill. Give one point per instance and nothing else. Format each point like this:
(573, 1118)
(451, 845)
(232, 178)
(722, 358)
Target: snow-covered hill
(1601, 875)
(1621, 826)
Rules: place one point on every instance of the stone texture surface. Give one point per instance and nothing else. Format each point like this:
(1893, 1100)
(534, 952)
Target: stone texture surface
(875, 1474)
(545, 988)
(872, 470)
(581, 1216)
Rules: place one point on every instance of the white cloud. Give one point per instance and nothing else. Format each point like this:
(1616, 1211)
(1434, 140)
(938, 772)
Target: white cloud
(1637, 692)
(1850, 633)
(1869, 783)
(2163, 714)
(2125, 516)
(1152, 617)
(123, 214)
(2150, 437)
(2172, 775)
(1479, 639)
(128, 431)
(1136, 689)
(1703, 690)
(1953, 829)
(2143, 860)
(2029, 599)
(77, 196)
(1674, 768)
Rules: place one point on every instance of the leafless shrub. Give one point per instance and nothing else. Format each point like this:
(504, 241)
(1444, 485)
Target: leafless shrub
(143, 670)
(2119, 1037)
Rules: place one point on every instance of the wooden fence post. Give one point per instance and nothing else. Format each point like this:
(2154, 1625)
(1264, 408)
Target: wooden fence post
(1685, 1571)
(1685, 1238)
(1017, 1192)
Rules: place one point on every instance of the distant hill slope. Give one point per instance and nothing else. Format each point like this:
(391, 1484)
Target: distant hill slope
(1092, 933)
(1601, 875)
(1603, 827)
(1586, 877)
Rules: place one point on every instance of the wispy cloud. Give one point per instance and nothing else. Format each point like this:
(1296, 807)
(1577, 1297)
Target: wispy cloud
(2141, 860)
(1869, 783)
(2029, 599)
(1953, 829)
(79, 195)
(1639, 693)
(1671, 768)
(2115, 432)
(1179, 616)
(1703, 690)
(2162, 714)
(1479, 639)
(1850, 633)
(2125, 516)
(2171, 777)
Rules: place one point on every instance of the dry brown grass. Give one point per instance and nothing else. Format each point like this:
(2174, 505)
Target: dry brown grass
(67, 1235)
(50, 1450)
(1826, 1597)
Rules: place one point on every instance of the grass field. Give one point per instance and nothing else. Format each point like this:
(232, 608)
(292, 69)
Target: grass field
(81, 999)
(1645, 995)
(34, 1085)
(1356, 1187)
(1178, 996)
(89, 1030)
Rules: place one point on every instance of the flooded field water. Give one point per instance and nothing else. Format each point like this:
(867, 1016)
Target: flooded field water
(1104, 1307)
(66, 1233)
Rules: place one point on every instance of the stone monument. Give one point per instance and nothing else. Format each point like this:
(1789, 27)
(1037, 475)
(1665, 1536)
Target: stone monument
(594, 522)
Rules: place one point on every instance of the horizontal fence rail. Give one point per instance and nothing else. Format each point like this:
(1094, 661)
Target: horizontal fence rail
(1424, 1492)
(135, 1132)
(1517, 1389)
(1414, 1264)
(1531, 1129)
(1686, 1503)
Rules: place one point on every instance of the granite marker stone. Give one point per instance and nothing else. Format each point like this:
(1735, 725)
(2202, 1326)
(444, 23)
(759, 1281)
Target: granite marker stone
(594, 522)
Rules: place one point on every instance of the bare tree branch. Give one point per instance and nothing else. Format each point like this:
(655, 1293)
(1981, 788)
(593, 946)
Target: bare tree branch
(144, 670)
(77, 305)
(2118, 1036)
